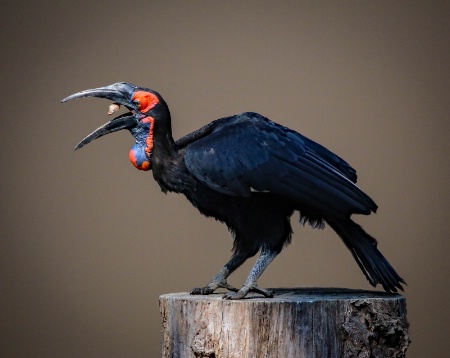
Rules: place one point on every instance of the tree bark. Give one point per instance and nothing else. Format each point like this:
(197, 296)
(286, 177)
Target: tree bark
(305, 322)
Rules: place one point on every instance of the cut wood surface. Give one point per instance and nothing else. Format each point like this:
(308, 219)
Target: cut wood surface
(303, 322)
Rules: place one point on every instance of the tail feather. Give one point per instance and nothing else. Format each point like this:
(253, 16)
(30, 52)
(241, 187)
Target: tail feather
(364, 249)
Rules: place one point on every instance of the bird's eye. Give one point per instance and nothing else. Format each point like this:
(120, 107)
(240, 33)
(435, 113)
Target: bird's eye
(144, 101)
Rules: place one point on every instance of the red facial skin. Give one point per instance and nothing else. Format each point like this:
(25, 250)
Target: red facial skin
(147, 100)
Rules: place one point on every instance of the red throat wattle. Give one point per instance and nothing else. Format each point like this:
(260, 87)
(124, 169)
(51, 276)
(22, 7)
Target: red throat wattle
(140, 153)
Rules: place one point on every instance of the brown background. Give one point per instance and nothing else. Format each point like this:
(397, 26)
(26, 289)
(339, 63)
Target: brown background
(88, 243)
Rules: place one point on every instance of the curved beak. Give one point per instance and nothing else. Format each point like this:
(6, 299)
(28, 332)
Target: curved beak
(119, 93)
(125, 121)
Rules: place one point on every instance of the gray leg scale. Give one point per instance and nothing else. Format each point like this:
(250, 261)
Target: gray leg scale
(220, 280)
(265, 258)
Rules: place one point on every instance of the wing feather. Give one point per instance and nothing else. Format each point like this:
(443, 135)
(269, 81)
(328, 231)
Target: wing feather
(249, 152)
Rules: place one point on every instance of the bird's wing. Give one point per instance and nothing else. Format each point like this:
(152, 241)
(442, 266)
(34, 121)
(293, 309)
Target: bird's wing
(248, 153)
(194, 136)
(202, 132)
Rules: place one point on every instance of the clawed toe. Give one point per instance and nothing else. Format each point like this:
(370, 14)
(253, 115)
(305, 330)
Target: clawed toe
(207, 290)
(262, 291)
(245, 290)
(202, 291)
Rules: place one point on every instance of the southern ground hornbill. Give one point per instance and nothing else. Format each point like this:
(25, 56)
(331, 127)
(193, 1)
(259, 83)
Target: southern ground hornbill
(252, 174)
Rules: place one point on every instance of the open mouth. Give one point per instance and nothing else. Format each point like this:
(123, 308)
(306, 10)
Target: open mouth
(121, 94)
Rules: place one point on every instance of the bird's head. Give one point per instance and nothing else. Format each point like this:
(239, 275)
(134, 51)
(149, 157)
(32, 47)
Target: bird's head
(146, 107)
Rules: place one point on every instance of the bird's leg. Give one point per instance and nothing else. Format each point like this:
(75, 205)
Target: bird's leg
(220, 280)
(266, 257)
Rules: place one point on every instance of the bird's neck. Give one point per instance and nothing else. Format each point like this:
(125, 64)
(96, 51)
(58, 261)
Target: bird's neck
(155, 149)
(167, 161)
(164, 157)
(163, 142)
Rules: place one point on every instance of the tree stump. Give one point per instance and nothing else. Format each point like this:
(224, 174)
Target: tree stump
(303, 322)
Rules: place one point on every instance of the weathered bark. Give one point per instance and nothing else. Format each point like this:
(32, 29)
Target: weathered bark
(306, 322)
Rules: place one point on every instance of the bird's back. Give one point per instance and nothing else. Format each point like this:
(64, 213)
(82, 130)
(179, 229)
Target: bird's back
(257, 119)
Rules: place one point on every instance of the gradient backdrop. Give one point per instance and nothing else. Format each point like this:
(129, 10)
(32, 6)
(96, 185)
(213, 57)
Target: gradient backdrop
(88, 243)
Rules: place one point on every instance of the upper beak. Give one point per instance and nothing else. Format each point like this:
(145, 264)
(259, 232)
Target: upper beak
(121, 93)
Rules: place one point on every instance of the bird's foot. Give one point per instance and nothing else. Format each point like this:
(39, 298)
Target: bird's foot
(245, 290)
(211, 287)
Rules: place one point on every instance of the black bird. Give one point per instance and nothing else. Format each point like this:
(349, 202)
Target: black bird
(252, 174)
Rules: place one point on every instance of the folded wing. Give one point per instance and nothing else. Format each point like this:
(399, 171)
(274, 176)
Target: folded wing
(248, 153)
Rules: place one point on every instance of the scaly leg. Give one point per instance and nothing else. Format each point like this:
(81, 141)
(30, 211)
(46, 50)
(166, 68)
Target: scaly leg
(266, 257)
(220, 280)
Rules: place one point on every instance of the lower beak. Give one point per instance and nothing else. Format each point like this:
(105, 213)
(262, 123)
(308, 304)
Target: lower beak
(125, 121)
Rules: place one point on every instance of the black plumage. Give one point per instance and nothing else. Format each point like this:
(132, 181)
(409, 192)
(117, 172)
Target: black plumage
(252, 174)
